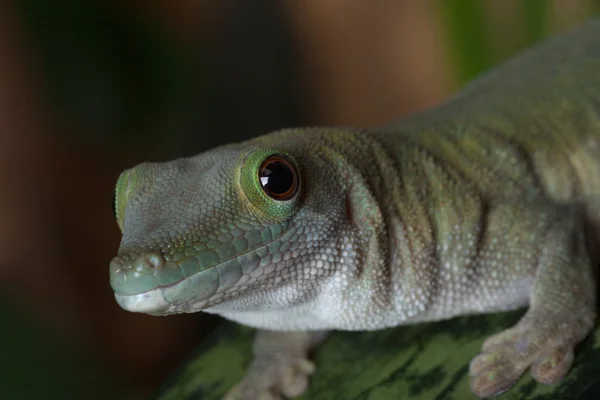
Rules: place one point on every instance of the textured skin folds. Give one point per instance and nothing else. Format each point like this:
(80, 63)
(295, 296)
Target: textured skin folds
(476, 206)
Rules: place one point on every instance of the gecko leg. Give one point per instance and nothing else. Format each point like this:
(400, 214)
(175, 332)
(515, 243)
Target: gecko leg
(562, 312)
(280, 367)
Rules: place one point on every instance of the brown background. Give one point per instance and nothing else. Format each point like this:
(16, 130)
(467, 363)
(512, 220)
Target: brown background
(83, 96)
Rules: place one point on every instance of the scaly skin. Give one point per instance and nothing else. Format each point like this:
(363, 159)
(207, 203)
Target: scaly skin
(479, 205)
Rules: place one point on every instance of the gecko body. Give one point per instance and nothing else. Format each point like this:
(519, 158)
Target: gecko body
(484, 203)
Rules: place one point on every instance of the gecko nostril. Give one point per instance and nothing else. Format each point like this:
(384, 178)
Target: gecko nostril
(149, 262)
(155, 260)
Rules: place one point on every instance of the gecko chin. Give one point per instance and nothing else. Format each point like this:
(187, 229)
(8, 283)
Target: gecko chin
(150, 302)
(153, 302)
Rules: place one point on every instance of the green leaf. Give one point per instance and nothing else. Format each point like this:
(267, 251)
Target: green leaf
(426, 361)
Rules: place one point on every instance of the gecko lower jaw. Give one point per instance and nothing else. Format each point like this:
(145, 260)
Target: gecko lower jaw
(188, 295)
(150, 302)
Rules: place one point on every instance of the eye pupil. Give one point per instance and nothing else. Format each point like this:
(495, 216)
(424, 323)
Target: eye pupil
(278, 178)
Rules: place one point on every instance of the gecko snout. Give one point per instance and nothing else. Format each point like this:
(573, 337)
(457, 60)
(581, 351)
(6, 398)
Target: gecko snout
(136, 273)
(141, 263)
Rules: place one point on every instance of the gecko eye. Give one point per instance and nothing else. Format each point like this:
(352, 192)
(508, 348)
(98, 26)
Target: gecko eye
(278, 177)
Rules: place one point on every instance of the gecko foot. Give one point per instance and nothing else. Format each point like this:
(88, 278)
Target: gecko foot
(547, 350)
(273, 377)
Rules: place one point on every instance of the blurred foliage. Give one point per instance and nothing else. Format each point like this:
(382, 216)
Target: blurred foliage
(39, 364)
(124, 81)
(535, 19)
(469, 36)
(466, 24)
(107, 71)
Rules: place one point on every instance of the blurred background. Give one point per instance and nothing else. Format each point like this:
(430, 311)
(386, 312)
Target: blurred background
(90, 88)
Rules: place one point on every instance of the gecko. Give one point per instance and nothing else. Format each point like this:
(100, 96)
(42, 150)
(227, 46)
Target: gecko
(489, 201)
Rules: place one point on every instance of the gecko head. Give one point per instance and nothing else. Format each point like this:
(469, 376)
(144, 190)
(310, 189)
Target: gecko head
(231, 225)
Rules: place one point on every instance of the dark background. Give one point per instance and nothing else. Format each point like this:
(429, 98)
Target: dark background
(90, 88)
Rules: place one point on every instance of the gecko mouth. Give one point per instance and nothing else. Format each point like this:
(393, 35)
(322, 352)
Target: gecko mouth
(150, 302)
(193, 293)
(187, 295)
(138, 273)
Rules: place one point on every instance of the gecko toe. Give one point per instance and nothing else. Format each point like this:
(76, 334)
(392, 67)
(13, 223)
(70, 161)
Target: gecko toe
(507, 355)
(553, 365)
(495, 380)
(274, 378)
(493, 373)
(294, 380)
